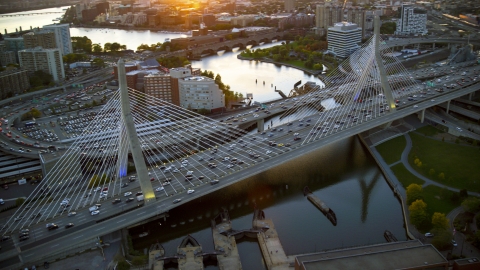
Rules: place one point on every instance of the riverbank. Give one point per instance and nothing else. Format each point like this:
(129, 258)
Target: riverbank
(267, 60)
(136, 28)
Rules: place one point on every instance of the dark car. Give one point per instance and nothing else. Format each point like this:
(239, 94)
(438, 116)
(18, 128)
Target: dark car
(139, 193)
(5, 186)
(24, 237)
(116, 201)
(69, 225)
(129, 200)
(213, 182)
(52, 227)
(5, 238)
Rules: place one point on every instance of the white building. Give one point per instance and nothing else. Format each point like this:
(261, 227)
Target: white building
(344, 38)
(199, 92)
(62, 37)
(412, 21)
(48, 60)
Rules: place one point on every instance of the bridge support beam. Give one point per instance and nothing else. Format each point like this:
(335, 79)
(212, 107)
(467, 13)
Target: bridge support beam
(422, 116)
(135, 148)
(260, 125)
(470, 96)
(381, 68)
(433, 46)
(448, 106)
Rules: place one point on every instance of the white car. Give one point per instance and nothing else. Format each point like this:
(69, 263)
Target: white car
(97, 189)
(96, 212)
(71, 214)
(415, 106)
(190, 191)
(268, 152)
(127, 194)
(159, 189)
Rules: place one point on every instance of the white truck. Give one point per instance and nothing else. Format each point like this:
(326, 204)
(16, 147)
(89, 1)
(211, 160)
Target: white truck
(139, 198)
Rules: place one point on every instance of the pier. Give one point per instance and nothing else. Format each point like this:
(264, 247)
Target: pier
(269, 242)
(230, 259)
(155, 252)
(327, 211)
(190, 254)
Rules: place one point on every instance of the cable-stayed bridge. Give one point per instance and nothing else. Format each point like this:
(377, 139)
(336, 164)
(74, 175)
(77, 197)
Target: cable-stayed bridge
(184, 153)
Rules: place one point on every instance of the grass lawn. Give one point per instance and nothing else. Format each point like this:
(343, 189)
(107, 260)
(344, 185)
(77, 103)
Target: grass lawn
(438, 199)
(405, 177)
(391, 150)
(296, 63)
(459, 164)
(429, 131)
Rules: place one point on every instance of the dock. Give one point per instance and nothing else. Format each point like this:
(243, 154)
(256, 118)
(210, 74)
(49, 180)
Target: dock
(230, 259)
(190, 254)
(327, 211)
(156, 251)
(272, 250)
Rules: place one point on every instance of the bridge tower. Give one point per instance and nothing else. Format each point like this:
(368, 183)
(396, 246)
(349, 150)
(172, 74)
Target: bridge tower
(381, 68)
(134, 143)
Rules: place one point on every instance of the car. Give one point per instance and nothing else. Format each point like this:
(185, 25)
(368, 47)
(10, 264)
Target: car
(2, 201)
(213, 182)
(459, 129)
(454, 243)
(190, 191)
(5, 238)
(280, 144)
(127, 194)
(268, 152)
(96, 212)
(5, 186)
(69, 225)
(159, 189)
(97, 189)
(116, 201)
(201, 177)
(71, 214)
(432, 100)
(429, 234)
(415, 106)
(297, 138)
(177, 200)
(124, 185)
(129, 200)
(52, 226)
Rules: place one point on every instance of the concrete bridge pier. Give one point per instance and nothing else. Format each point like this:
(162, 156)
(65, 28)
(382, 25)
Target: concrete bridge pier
(260, 125)
(448, 106)
(470, 96)
(433, 46)
(421, 116)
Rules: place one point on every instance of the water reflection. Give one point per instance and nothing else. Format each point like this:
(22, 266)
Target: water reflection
(341, 174)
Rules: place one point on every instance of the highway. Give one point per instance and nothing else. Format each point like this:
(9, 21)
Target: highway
(164, 203)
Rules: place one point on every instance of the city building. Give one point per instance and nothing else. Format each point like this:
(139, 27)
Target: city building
(413, 21)
(6, 57)
(160, 86)
(242, 20)
(199, 92)
(344, 38)
(289, 5)
(14, 44)
(62, 37)
(13, 82)
(48, 60)
(41, 38)
(327, 14)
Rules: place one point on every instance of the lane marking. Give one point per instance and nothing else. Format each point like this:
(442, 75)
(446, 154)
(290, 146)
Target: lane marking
(55, 245)
(100, 229)
(78, 237)
(121, 220)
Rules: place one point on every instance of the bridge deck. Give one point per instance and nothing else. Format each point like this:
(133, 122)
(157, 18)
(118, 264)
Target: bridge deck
(231, 258)
(272, 250)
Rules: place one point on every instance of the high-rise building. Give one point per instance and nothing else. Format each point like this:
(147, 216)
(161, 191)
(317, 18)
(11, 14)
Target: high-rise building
(14, 44)
(62, 37)
(344, 38)
(327, 14)
(6, 57)
(42, 38)
(412, 21)
(13, 82)
(289, 5)
(199, 92)
(48, 60)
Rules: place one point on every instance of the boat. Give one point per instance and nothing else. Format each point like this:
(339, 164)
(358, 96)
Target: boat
(143, 234)
(389, 236)
(327, 211)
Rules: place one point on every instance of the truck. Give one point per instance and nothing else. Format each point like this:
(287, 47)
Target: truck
(93, 208)
(139, 198)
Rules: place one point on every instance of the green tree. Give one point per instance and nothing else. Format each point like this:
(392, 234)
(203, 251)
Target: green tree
(98, 62)
(442, 239)
(418, 213)
(97, 48)
(123, 265)
(36, 112)
(431, 172)
(138, 260)
(441, 176)
(440, 221)
(388, 28)
(414, 192)
(471, 204)
(107, 47)
(19, 201)
(115, 47)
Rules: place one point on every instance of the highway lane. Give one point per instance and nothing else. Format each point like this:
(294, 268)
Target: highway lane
(164, 204)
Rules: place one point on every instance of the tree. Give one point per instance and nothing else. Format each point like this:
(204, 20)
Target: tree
(440, 221)
(97, 48)
(115, 47)
(418, 213)
(123, 265)
(442, 239)
(388, 28)
(441, 176)
(98, 62)
(36, 112)
(463, 193)
(19, 201)
(471, 204)
(107, 47)
(414, 192)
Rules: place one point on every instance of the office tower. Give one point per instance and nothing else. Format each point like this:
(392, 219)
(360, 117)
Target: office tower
(344, 38)
(62, 37)
(412, 21)
(42, 38)
(48, 60)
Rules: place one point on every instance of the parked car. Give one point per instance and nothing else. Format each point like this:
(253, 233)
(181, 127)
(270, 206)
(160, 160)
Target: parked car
(429, 234)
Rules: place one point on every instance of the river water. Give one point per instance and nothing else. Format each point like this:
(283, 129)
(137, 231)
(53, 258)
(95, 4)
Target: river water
(341, 174)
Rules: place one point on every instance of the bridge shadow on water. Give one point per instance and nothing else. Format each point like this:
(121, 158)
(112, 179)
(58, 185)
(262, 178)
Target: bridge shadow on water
(320, 169)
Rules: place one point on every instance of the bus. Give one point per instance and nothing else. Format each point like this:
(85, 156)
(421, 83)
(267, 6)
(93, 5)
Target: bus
(30, 124)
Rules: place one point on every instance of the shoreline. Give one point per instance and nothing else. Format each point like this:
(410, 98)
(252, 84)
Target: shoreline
(157, 30)
(309, 71)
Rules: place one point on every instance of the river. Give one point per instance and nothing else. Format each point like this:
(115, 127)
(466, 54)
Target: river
(341, 174)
